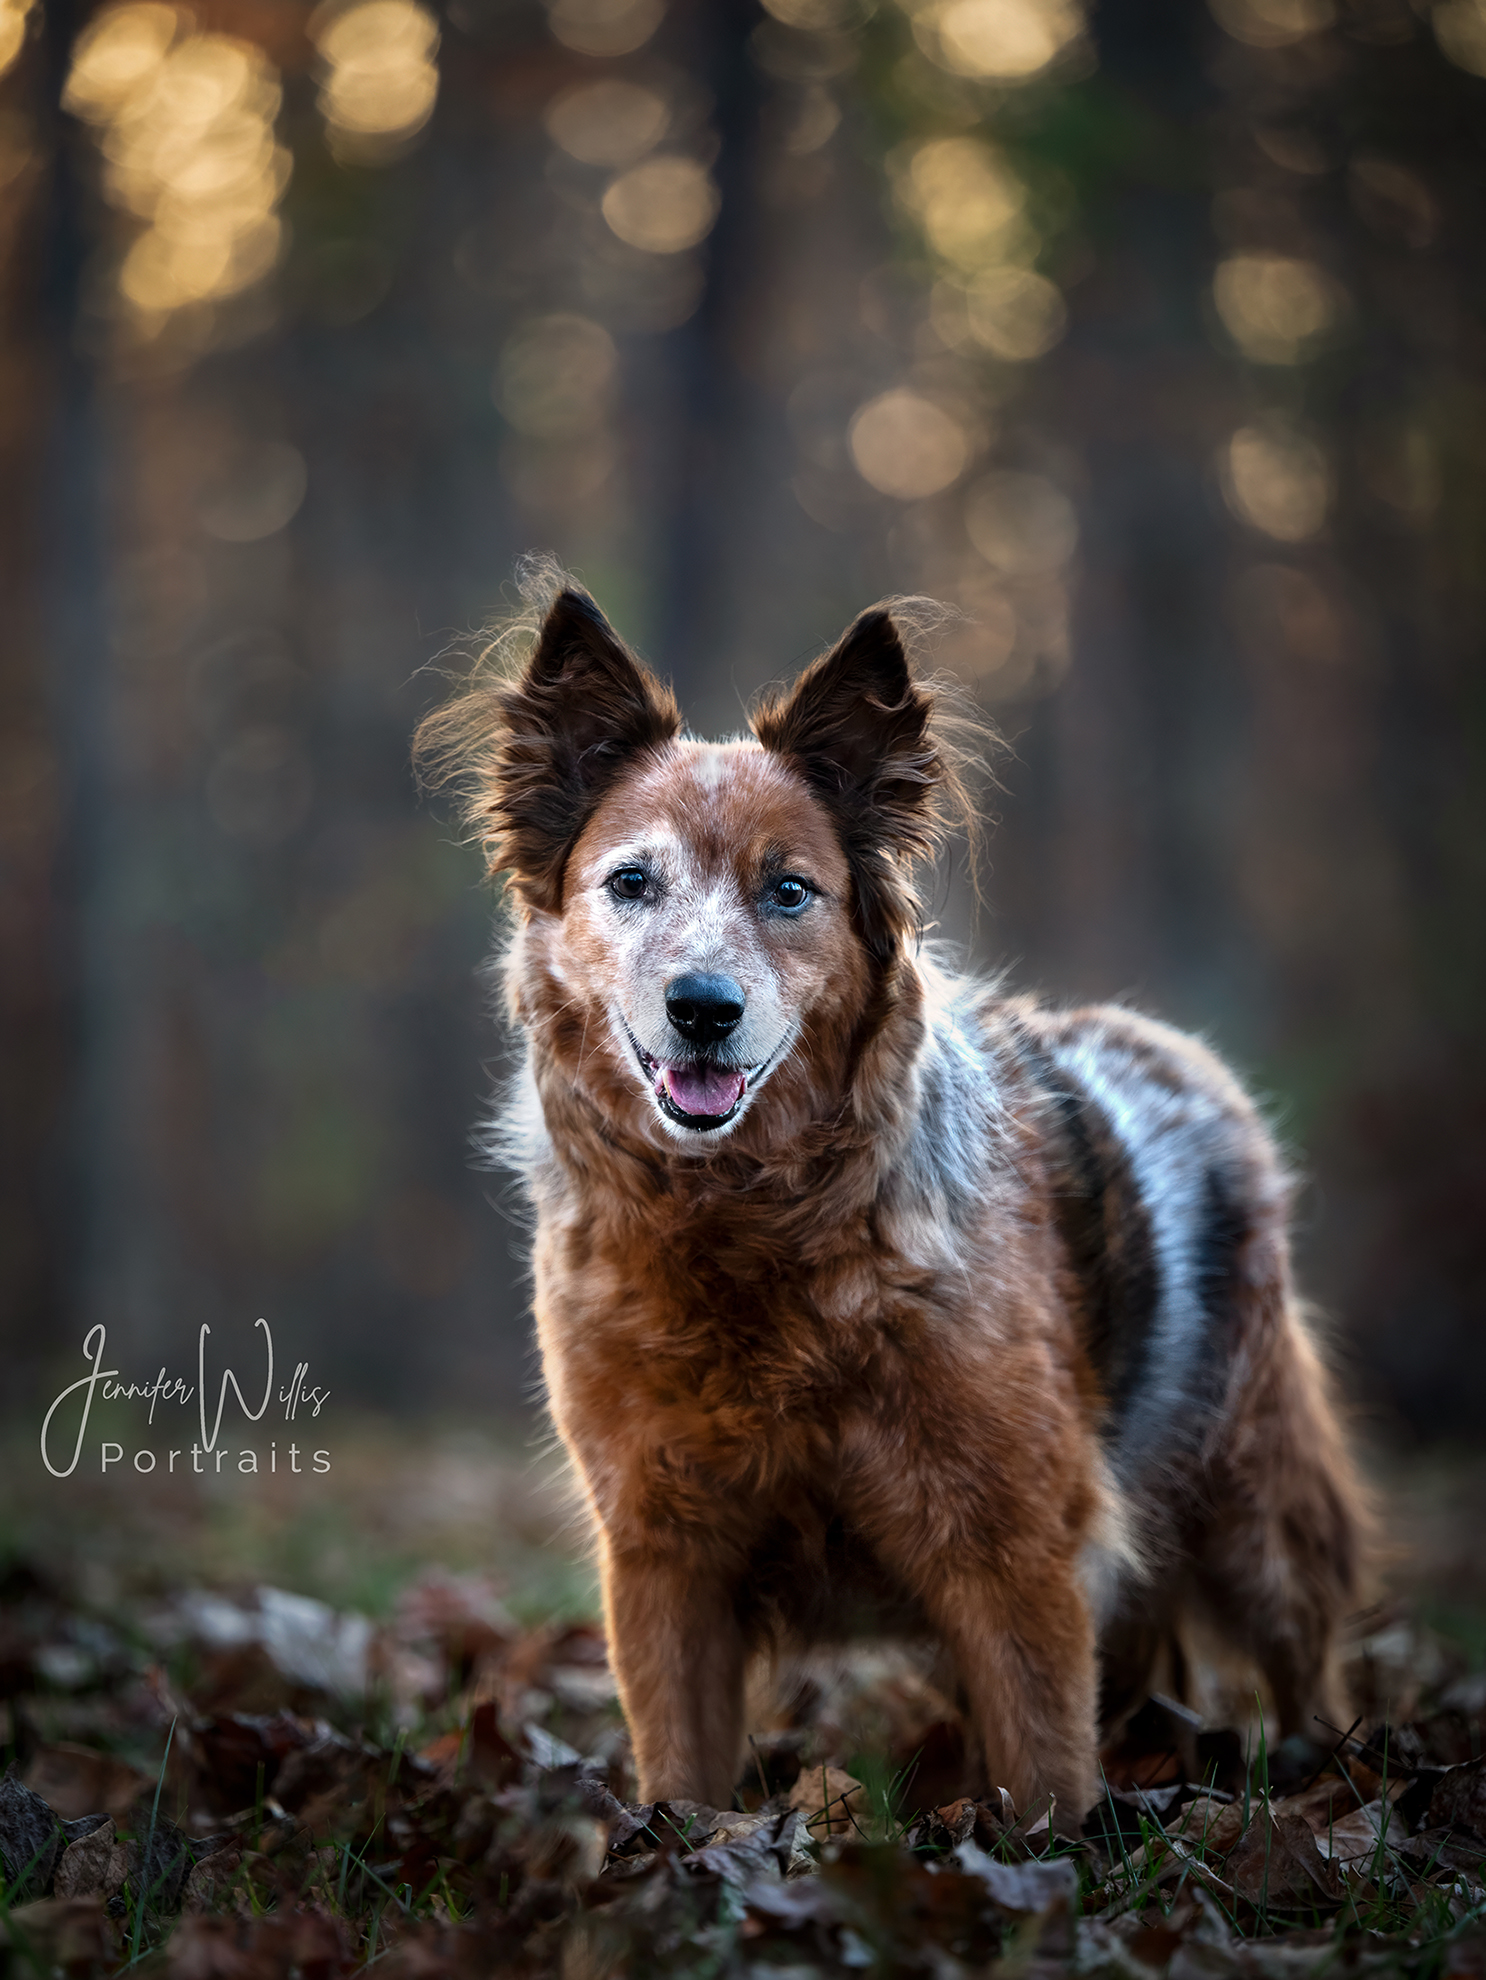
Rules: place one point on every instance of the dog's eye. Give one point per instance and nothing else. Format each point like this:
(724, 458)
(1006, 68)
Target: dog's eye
(789, 894)
(628, 884)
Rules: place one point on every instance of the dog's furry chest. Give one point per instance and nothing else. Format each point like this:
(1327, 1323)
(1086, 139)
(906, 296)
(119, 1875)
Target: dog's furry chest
(712, 1322)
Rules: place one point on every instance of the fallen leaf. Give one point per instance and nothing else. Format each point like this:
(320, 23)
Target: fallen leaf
(313, 1645)
(159, 1861)
(628, 1820)
(1023, 1888)
(30, 1840)
(745, 1847)
(83, 1868)
(210, 1880)
(1213, 1826)
(956, 1819)
(1276, 1864)
(1353, 1838)
(832, 1802)
(547, 1750)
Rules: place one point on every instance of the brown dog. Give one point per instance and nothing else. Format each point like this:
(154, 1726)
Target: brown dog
(864, 1291)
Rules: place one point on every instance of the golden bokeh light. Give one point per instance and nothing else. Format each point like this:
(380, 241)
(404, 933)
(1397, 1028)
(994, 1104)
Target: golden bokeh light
(380, 80)
(964, 195)
(1272, 23)
(116, 57)
(1460, 30)
(1015, 314)
(1277, 308)
(611, 122)
(164, 271)
(906, 446)
(1008, 41)
(1276, 480)
(604, 27)
(556, 376)
(663, 206)
(814, 16)
(187, 135)
(13, 18)
(370, 29)
(1020, 523)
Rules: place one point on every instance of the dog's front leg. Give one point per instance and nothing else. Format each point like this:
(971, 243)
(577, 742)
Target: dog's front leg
(1025, 1655)
(1007, 1604)
(678, 1656)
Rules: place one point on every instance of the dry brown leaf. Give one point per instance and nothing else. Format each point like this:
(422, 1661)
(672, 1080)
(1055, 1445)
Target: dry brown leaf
(1276, 1864)
(1343, 1831)
(212, 1878)
(1159, 1864)
(832, 1802)
(1029, 1888)
(957, 1819)
(1352, 1840)
(86, 1866)
(1214, 1826)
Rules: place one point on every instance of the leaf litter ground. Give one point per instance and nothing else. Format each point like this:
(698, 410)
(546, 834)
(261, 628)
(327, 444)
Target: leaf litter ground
(260, 1732)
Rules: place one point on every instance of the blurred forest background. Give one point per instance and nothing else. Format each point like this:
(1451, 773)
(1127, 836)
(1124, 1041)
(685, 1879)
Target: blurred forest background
(1154, 337)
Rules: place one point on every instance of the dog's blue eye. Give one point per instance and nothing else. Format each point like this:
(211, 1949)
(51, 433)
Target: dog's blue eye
(790, 894)
(628, 884)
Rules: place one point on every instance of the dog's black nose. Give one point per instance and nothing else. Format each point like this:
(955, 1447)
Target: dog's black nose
(704, 1008)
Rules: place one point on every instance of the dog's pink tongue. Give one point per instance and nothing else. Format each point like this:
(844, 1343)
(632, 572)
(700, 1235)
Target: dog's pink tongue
(703, 1089)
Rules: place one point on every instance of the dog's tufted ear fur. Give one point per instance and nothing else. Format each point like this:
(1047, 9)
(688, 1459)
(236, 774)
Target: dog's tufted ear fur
(539, 751)
(859, 729)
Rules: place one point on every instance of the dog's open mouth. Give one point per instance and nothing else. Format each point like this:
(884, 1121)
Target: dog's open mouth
(695, 1094)
(699, 1096)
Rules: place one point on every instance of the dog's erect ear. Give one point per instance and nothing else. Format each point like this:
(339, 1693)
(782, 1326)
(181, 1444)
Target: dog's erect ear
(541, 750)
(858, 728)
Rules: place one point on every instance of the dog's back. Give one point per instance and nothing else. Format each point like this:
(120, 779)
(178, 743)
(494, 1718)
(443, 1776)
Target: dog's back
(1171, 1201)
(1168, 1194)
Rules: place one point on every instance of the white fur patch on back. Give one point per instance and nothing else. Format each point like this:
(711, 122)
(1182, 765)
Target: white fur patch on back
(1168, 1137)
(953, 1162)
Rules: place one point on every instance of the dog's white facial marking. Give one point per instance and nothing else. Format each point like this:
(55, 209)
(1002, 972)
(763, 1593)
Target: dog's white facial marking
(711, 935)
(701, 924)
(715, 863)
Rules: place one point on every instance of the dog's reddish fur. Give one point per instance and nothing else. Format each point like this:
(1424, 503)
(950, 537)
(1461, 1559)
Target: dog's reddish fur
(793, 1388)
